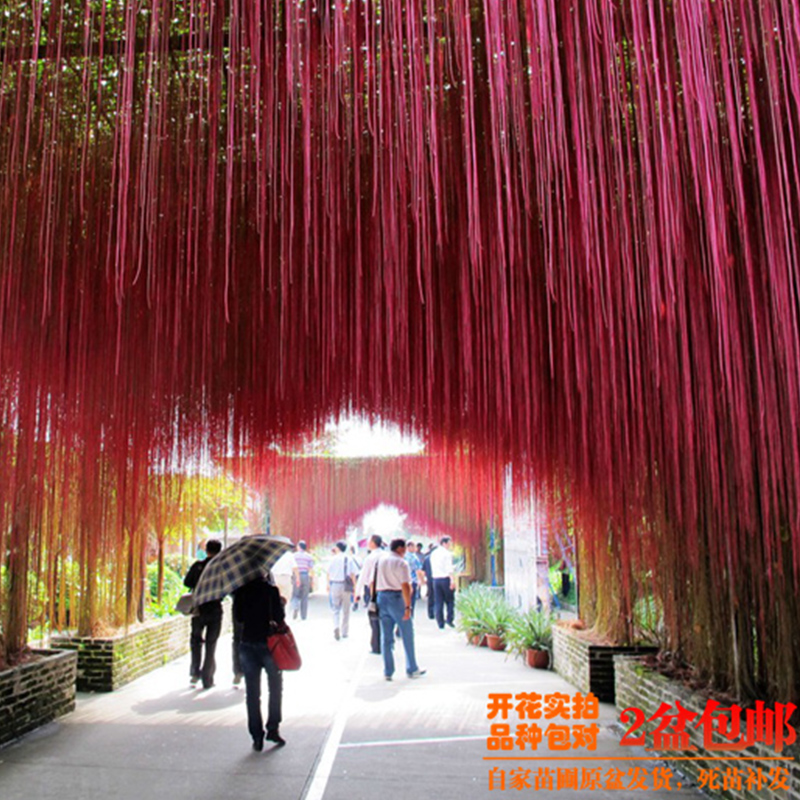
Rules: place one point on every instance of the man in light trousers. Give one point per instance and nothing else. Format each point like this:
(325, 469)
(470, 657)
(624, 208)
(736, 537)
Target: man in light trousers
(341, 580)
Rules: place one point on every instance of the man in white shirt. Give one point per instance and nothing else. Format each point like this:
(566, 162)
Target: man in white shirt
(394, 606)
(285, 573)
(364, 589)
(341, 579)
(444, 582)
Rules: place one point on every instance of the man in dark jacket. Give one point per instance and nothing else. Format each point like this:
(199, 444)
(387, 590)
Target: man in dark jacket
(258, 607)
(208, 621)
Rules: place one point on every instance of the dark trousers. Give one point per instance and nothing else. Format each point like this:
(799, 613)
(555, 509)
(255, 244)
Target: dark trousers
(255, 656)
(444, 598)
(237, 640)
(375, 625)
(431, 600)
(205, 630)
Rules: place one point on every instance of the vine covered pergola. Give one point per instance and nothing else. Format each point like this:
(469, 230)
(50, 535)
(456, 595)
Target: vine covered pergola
(558, 236)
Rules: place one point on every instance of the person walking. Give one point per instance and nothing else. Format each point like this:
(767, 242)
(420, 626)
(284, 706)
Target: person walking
(286, 575)
(394, 606)
(342, 573)
(357, 563)
(417, 575)
(444, 582)
(206, 623)
(302, 586)
(364, 589)
(258, 607)
(426, 569)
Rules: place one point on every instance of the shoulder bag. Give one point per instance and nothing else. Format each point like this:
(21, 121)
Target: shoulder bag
(185, 605)
(372, 607)
(349, 585)
(283, 649)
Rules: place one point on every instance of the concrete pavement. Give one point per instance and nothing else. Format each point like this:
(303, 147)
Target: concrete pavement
(350, 734)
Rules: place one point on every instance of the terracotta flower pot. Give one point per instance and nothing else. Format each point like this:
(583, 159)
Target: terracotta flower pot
(479, 640)
(539, 659)
(495, 642)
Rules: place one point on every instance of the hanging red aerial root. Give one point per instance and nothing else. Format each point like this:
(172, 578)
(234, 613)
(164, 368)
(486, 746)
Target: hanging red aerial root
(558, 236)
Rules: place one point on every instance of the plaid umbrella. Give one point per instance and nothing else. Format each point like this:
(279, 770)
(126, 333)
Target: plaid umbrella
(237, 565)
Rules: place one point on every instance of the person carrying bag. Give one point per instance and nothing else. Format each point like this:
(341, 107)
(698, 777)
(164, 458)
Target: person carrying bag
(258, 608)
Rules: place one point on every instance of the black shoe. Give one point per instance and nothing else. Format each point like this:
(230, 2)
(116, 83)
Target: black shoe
(450, 625)
(336, 634)
(274, 736)
(258, 744)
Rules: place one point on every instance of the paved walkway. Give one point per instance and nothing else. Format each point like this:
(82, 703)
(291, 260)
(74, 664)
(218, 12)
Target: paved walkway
(351, 735)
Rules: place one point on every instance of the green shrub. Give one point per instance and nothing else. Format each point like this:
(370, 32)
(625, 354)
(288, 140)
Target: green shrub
(173, 589)
(554, 575)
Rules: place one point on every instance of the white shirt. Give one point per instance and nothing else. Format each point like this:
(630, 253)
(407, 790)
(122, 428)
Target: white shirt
(441, 563)
(285, 565)
(393, 572)
(341, 566)
(368, 571)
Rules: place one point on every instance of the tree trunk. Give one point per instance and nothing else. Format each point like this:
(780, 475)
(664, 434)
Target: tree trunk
(16, 626)
(160, 591)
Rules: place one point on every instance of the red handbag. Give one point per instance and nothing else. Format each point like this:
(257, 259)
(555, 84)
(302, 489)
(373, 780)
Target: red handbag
(283, 649)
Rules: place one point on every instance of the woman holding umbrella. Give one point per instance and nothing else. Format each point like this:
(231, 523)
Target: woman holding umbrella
(240, 570)
(258, 607)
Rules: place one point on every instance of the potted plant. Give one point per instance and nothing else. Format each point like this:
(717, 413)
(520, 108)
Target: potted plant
(472, 604)
(530, 635)
(499, 619)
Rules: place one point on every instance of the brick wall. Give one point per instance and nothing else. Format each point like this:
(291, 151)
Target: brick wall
(639, 687)
(35, 693)
(587, 665)
(105, 664)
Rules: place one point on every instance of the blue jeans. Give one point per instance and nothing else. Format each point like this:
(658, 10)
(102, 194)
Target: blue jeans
(300, 595)
(391, 608)
(255, 656)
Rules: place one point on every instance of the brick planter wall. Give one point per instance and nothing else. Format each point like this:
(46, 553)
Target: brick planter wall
(640, 687)
(588, 665)
(106, 663)
(35, 693)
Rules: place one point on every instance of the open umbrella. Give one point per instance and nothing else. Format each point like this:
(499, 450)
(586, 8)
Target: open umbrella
(237, 565)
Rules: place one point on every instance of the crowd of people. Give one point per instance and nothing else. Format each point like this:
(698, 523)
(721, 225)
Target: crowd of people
(389, 583)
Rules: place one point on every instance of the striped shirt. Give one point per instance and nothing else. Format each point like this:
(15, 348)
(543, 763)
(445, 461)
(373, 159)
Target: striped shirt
(305, 563)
